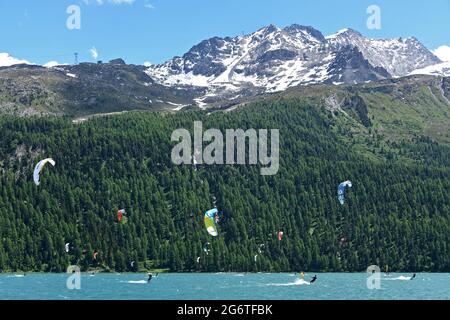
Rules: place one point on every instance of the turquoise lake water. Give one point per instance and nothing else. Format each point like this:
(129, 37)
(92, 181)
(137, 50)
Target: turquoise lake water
(227, 286)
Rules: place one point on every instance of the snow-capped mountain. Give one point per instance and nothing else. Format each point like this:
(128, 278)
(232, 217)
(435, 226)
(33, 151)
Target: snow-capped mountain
(273, 59)
(397, 56)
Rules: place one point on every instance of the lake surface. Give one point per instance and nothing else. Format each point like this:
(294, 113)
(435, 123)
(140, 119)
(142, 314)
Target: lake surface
(227, 286)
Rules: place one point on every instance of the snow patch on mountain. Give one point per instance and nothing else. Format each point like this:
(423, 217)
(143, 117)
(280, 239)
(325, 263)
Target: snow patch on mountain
(398, 56)
(273, 59)
(440, 69)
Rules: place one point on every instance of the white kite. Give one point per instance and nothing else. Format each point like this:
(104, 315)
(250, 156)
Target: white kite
(38, 169)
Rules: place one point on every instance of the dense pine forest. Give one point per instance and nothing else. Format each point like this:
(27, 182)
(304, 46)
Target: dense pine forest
(397, 213)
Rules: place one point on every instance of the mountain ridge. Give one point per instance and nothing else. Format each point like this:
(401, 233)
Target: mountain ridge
(217, 72)
(273, 59)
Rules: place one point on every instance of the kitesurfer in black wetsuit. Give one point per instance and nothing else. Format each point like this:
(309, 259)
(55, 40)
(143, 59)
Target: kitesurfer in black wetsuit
(150, 277)
(413, 276)
(313, 279)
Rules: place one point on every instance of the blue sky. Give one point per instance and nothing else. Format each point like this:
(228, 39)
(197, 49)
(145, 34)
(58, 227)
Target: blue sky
(156, 30)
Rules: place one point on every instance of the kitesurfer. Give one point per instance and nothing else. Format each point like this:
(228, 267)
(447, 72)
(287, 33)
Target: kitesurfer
(313, 279)
(413, 276)
(150, 277)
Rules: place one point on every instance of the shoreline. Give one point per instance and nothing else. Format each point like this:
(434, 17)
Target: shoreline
(21, 273)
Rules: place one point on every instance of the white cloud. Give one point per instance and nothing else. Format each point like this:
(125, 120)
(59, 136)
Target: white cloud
(443, 53)
(148, 5)
(6, 60)
(94, 53)
(122, 1)
(101, 2)
(52, 64)
(147, 64)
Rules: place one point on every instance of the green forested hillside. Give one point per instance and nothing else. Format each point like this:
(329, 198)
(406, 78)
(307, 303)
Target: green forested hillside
(397, 213)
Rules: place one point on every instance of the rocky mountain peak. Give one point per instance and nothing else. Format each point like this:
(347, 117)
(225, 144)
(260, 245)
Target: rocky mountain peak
(273, 59)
